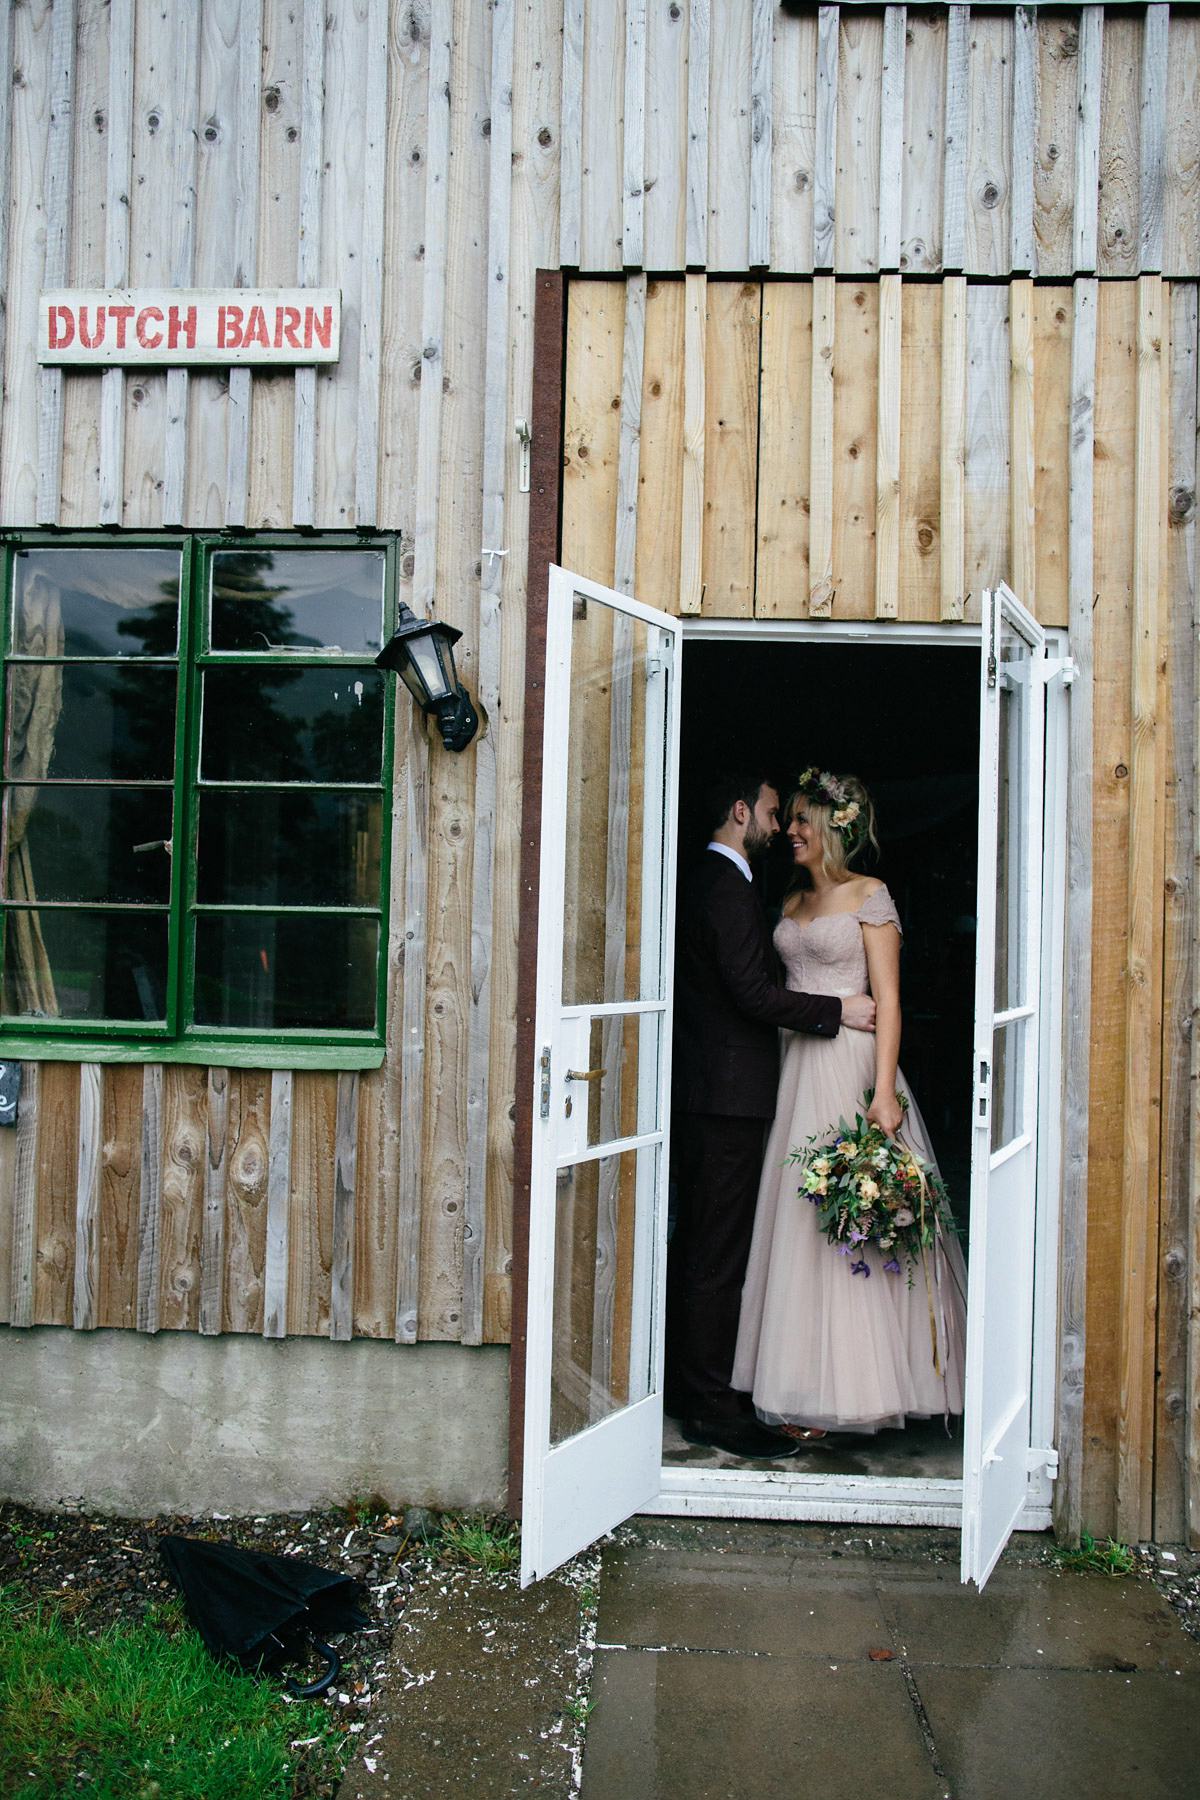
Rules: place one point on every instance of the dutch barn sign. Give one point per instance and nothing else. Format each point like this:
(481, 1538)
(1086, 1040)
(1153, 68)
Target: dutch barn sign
(174, 326)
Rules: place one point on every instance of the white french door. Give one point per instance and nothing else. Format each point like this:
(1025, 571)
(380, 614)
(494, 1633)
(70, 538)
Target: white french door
(1004, 1149)
(598, 1189)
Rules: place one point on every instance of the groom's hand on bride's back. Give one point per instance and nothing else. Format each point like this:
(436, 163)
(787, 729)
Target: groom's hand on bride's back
(858, 1012)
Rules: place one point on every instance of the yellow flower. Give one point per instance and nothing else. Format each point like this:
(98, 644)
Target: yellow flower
(868, 1188)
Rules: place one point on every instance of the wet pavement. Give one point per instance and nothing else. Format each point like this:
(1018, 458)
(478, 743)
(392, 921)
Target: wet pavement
(739, 1661)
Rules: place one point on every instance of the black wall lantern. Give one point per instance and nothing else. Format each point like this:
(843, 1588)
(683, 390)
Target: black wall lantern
(421, 651)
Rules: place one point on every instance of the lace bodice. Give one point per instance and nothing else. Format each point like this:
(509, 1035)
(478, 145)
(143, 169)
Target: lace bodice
(828, 956)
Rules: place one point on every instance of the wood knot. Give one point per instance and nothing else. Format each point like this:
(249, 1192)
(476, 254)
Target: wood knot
(1182, 505)
(1175, 1264)
(1120, 771)
(802, 180)
(1174, 1405)
(271, 99)
(545, 137)
(656, 388)
(925, 537)
(990, 195)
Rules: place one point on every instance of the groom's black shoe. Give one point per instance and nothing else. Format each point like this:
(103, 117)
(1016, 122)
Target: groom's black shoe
(740, 1437)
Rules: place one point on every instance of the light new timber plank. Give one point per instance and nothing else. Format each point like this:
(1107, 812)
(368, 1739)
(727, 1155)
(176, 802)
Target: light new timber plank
(591, 447)
(820, 466)
(370, 300)
(633, 122)
(921, 450)
(699, 40)
(245, 239)
(1054, 160)
(150, 1198)
(571, 133)
(1152, 173)
(761, 89)
(887, 450)
(660, 506)
(1181, 187)
(665, 214)
(58, 1146)
(730, 447)
(954, 173)
(891, 136)
(1142, 1055)
(793, 142)
(24, 1201)
(85, 263)
(1052, 319)
(29, 112)
(1118, 235)
(341, 1299)
(695, 363)
(1090, 88)
(1022, 452)
(246, 1199)
(56, 199)
(116, 249)
(986, 483)
(87, 1197)
(281, 160)
(784, 451)
(628, 455)
(216, 1178)
(308, 257)
(185, 57)
(311, 1202)
(860, 76)
(1077, 1001)
(729, 129)
(181, 1210)
(601, 212)
(1023, 242)
(279, 1181)
(988, 234)
(855, 424)
(825, 161)
(924, 147)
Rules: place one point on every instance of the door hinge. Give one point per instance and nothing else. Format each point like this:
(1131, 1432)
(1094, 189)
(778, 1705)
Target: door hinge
(544, 1066)
(1055, 666)
(991, 666)
(1042, 1459)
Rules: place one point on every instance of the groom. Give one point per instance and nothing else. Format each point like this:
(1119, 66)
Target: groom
(729, 1004)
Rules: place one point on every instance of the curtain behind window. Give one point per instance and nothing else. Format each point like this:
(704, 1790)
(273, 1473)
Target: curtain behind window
(35, 703)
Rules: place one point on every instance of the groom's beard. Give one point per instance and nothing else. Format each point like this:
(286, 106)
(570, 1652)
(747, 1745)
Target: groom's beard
(756, 842)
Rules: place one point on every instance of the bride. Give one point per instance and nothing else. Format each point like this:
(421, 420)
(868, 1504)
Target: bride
(818, 1345)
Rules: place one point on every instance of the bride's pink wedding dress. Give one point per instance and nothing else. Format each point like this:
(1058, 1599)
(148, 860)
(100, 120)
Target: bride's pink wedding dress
(817, 1345)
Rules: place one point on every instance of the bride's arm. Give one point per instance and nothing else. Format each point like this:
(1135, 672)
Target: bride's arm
(882, 944)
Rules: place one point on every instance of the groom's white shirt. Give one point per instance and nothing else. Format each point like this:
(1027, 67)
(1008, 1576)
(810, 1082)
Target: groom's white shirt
(735, 856)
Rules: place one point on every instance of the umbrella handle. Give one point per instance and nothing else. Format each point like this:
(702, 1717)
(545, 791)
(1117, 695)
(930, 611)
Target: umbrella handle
(323, 1682)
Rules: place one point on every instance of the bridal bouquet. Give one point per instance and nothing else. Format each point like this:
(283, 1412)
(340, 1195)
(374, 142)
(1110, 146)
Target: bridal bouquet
(871, 1189)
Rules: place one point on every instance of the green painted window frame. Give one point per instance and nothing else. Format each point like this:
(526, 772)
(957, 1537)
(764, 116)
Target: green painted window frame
(178, 1039)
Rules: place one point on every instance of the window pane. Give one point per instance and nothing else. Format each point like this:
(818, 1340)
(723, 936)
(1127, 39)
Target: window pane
(286, 972)
(298, 599)
(96, 602)
(273, 724)
(88, 843)
(289, 845)
(90, 721)
(85, 965)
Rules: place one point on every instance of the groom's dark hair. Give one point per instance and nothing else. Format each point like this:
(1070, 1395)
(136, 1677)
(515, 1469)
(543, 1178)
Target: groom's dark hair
(724, 795)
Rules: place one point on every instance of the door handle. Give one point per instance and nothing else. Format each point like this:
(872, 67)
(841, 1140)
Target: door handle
(584, 1074)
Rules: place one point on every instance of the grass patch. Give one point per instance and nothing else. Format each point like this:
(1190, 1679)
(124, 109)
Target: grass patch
(142, 1712)
(1097, 1556)
(487, 1543)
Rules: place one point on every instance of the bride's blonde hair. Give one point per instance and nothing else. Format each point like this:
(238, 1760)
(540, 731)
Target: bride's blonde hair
(842, 811)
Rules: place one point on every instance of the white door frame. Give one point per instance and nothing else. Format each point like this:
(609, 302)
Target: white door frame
(898, 1500)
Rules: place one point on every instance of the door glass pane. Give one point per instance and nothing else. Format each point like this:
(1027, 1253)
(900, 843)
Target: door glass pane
(603, 1289)
(614, 848)
(623, 1100)
(63, 963)
(1008, 1085)
(1011, 926)
(289, 846)
(88, 843)
(286, 972)
(91, 602)
(90, 722)
(297, 724)
(272, 600)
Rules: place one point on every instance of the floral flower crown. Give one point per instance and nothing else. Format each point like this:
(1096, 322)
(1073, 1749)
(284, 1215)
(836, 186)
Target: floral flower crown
(824, 789)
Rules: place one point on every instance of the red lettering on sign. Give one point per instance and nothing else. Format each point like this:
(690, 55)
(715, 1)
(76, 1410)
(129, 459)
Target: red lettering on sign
(93, 342)
(256, 328)
(321, 324)
(147, 314)
(291, 325)
(175, 325)
(121, 315)
(62, 327)
(229, 327)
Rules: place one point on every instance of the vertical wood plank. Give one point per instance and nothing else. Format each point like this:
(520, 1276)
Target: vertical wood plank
(120, 1184)
(184, 57)
(986, 485)
(6, 147)
(1023, 243)
(85, 263)
(820, 465)
(793, 142)
(58, 1148)
(8, 1169)
(1181, 180)
(989, 157)
(181, 1212)
(246, 1199)
(954, 448)
(666, 139)
(628, 456)
(825, 165)
(341, 1298)
(699, 26)
(1118, 236)
(245, 246)
(695, 362)
(891, 137)
(87, 1197)
(152, 201)
(1052, 322)
(116, 249)
(855, 425)
(954, 174)
(571, 133)
(921, 450)
(370, 301)
(1022, 455)
(633, 148)
(1087, 138)
(601, 210)
(279, 1182)
(924, 149)
(308, 257)
(403, 275)
(784, 450)
(216, 1180)
(56, 193)
(856, 230)
(660, 454)
(730, 447)
(373, 1251)
(1142, 1054)
(312, 1203)
(1054, 165)
(24, 1201)
(1152, 172)
(150, 1198)
(281, 154)
(761, 97)
(591, 447)
(887, 450)
(729, 124)
(29, 112)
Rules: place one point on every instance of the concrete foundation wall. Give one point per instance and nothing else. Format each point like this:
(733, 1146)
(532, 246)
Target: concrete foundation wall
(137, 1425)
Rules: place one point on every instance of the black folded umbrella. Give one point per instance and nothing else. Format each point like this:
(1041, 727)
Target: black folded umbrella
(261, 1611)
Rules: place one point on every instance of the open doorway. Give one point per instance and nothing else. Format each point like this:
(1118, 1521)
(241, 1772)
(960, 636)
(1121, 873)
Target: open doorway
(905, 718)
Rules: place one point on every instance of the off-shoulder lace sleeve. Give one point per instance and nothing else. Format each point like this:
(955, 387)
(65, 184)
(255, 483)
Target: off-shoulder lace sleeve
(878, 909)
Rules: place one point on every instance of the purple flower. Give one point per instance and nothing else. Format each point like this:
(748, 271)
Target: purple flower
(892, 1266)
(858, 1237)
(843, 1249)
(860, 1268)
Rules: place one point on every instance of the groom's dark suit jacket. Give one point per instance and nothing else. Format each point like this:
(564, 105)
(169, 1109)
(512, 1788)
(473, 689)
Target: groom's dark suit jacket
(729, 1002)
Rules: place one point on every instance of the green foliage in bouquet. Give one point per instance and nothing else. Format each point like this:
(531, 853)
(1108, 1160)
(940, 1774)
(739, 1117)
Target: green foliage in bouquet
(869, 1188)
